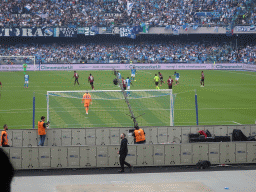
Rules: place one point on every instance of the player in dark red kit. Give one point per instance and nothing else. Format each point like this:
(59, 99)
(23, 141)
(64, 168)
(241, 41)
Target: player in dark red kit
(1, 84)
(76, 78)
(170, 81)
(161, 78)
(91, 80)
(124, 83)
(202, 79)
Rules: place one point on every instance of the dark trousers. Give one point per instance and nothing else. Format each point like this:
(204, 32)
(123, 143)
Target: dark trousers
(5, 145)
(123, 162)
(42, 139)
(141, 142)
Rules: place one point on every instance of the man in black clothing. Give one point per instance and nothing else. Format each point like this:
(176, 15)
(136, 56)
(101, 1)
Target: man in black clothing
(123, 153)
(8, 172)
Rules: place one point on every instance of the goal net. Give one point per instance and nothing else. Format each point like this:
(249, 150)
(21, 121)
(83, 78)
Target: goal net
(109, 109)
(19, 60)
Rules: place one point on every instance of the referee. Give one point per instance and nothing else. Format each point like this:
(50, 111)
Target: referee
(156, 80)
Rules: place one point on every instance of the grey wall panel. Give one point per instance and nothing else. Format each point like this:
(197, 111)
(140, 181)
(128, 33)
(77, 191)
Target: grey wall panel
(227, 152)
(253, 130)
(214, 153)
(172, 154)
(73, 157)
(44, 157)
(113, 157)
(241, 152)
(102, 156)
(59, 156)
(102, 137)
(88, 156)
(90, 136)
(66, 135)
(200, 152)
(151, 135)
(78, 137)
(162, 135)
(10, 139)
(251, 152)
(174, 135)
(186, 154)
(30, 138)
(30, 158)
(159, 155)
(220, 130)
(53, 137)
(196, 129)
(17, 138)
(145, 155)
(132, 155)
(115, 136)
(15, 157)
(185, 131)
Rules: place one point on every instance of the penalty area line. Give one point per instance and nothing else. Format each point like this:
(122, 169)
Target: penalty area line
(237, 123)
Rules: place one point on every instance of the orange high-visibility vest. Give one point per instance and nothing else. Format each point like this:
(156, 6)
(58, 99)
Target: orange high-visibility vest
(139, 135)
(41, 128)
(4, 138)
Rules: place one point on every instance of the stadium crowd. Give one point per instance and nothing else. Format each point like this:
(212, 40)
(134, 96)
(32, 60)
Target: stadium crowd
(125, 52)
(53, 13)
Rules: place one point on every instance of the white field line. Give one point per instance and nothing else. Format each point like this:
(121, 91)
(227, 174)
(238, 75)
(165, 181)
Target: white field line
(183, 85)
(145, 72)
(236, 123)
(151, 109)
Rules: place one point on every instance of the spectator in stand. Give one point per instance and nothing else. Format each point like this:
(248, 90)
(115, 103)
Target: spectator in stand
(57, 13)
(146, 52)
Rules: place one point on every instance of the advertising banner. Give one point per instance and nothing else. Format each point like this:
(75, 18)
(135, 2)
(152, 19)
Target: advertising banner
(245, 28)
(17, 68)
(173, 66)
(228, 66)
(249, 67)
(27, 32)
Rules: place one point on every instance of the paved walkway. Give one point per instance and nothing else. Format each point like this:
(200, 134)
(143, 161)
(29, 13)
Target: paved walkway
(236, 181)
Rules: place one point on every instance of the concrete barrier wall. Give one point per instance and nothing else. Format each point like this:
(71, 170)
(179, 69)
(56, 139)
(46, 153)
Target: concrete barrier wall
(55, 157)
(111, 136)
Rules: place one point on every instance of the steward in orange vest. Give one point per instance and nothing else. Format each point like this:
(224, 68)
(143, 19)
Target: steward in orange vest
(41, 131)
(4, 137)
(139, 136)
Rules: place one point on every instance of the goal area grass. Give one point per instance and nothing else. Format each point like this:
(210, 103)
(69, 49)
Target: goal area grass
(228, 98)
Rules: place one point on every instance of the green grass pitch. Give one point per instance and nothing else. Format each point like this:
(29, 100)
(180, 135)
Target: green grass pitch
(228, 98)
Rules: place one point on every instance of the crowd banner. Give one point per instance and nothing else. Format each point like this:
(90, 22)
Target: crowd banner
(158, 66)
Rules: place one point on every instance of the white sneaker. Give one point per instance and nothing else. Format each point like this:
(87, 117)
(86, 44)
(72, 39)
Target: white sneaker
(86, 113)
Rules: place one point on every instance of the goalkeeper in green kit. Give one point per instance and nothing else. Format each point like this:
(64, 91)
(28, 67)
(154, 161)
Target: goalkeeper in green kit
(25, 68)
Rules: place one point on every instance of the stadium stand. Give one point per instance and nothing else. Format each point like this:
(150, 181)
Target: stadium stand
(53, 13)
(145, 52)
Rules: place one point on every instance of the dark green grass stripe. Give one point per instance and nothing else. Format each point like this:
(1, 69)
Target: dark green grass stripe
(117, 111)
(59, 106)
(92, 117)
(150, 116)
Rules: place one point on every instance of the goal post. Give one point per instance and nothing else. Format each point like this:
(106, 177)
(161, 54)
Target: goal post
(18, 60)
(109, 109)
